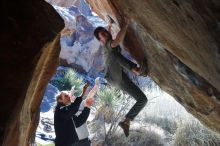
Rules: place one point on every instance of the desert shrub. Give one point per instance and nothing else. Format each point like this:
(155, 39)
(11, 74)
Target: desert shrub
(165, 123)
(138, 137)
(65, 79)
(111, 105)
(195, 134)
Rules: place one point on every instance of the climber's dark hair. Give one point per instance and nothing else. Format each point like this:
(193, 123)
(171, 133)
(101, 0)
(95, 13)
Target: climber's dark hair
(99, 29)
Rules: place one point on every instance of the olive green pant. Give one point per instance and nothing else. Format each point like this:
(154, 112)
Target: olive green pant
(133, 90)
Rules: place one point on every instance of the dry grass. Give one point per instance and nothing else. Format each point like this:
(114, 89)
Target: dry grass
(178, 128)
(195, 134)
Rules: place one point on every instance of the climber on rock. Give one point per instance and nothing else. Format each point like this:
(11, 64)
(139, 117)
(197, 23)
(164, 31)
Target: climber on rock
(114, 74)
(71, 114)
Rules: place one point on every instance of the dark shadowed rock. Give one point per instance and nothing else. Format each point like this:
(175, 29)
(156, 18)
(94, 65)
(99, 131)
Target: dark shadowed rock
(30, 49)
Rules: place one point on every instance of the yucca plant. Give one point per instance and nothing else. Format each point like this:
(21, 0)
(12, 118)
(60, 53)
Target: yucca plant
(66, 79)
(106, 102)
(108, 96)
(111, 106)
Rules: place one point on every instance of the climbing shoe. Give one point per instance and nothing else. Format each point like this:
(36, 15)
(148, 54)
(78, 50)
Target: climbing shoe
(125, 127)
(144, 68)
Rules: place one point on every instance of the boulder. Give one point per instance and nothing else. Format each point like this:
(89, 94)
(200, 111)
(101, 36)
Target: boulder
(30, 47)
(180, 39)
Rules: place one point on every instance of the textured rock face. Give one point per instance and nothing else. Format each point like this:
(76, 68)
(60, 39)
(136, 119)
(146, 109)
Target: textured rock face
(179, 38)
(64, 3)
(30, 49)
(181, 41)
(79, 48)
(81, 5)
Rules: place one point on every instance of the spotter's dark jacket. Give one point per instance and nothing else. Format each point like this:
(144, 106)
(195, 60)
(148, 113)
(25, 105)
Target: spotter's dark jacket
(65, 122)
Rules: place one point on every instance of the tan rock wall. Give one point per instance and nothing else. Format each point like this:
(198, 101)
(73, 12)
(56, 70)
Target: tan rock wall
(181, 41)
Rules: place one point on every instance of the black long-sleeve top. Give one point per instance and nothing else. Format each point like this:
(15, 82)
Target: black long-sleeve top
(64, 125)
